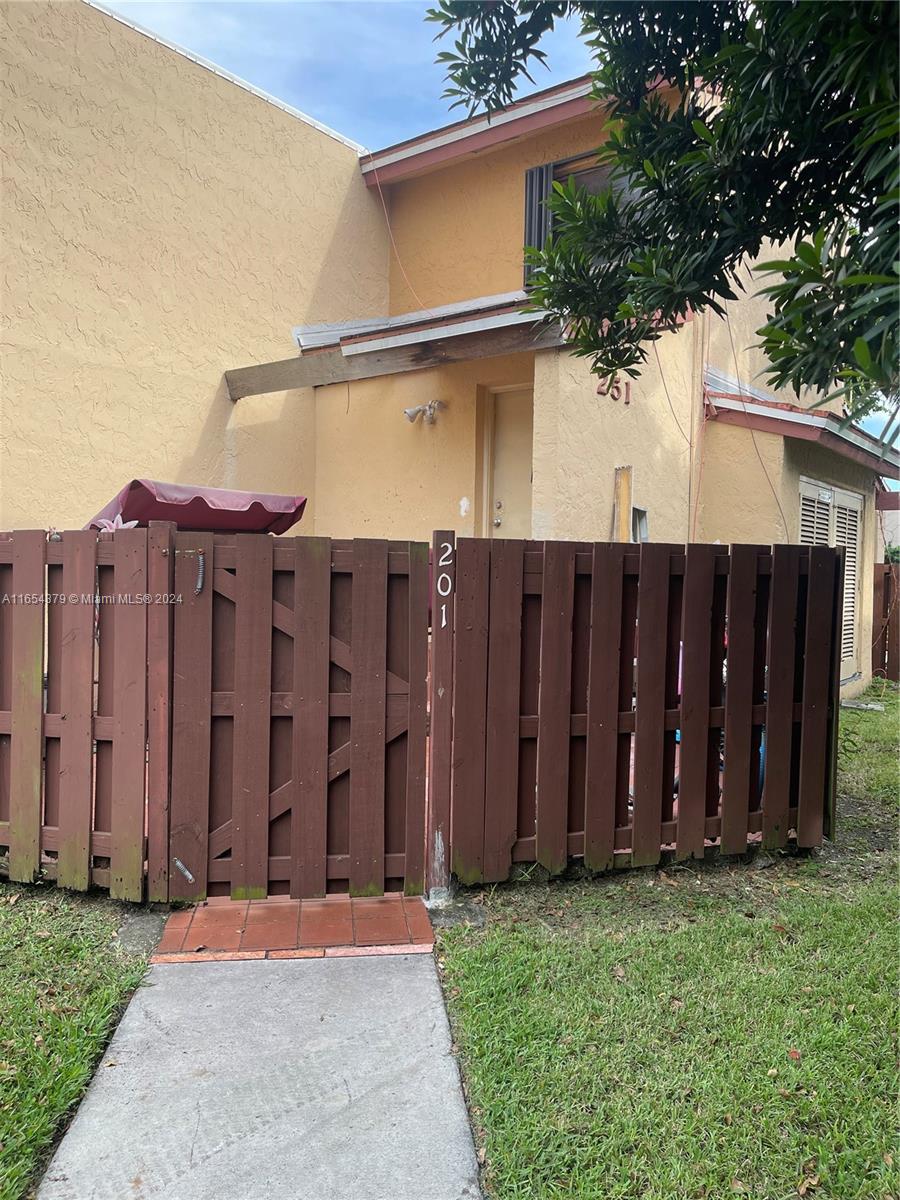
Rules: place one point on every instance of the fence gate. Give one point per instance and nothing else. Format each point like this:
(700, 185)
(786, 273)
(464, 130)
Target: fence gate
(298, 716)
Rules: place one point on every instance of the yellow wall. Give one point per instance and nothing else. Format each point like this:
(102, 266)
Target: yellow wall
(159, 225)
(377, 475)
(580, 438)
(459, 231)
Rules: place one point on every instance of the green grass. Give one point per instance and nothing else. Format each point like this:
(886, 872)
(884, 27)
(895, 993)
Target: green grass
(696, 1032)
(63, 984)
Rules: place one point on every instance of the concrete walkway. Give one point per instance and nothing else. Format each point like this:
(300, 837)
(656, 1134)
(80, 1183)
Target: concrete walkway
(305, 1079)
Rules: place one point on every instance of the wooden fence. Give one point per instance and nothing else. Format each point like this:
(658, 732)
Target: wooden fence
(886, 622)
(184, 715)
(613, 702)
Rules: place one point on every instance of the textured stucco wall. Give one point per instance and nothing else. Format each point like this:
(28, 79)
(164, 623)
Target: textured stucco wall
(159, 225)
(580, 438)
(377, 475)
(459, 231)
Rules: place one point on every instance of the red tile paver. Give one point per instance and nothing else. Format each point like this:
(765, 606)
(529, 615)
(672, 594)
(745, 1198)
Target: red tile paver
(174, 933)
(326, 923)
(225, 930)
(217, 928)
(272, 925)
(418, 921)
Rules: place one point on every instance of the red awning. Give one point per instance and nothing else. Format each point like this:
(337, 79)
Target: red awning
(200, 509)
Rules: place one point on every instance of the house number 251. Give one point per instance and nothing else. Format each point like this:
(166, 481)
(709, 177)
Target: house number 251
(444, 581)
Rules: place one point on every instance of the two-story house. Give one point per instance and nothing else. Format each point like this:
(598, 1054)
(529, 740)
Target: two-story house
(209, 287)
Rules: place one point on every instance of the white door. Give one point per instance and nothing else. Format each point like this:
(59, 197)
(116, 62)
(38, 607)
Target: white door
(509, 463)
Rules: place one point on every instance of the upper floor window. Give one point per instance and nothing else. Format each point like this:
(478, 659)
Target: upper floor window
(539, 181)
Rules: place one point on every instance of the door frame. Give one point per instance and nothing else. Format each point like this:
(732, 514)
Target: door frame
(484, 450)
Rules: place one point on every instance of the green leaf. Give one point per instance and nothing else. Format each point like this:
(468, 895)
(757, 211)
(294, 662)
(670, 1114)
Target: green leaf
(862, 354)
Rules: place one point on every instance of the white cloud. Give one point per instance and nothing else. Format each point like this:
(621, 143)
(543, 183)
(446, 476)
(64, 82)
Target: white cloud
(364, 67)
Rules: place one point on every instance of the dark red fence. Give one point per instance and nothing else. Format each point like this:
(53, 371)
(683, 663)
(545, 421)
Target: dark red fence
(612, 702)
(248, 715)
(886, 622)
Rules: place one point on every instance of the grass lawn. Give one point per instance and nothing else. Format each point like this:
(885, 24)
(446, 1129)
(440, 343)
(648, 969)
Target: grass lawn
(701, 1031)
(63, 983)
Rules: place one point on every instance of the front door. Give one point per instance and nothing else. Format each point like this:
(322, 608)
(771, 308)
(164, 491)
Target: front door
(510, 452)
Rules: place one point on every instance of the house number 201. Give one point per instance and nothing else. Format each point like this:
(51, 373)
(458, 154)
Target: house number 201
(444, 581)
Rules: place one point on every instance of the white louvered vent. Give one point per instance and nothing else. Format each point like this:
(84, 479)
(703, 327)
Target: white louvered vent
(846, 534)
(814, 518)
(832, 517)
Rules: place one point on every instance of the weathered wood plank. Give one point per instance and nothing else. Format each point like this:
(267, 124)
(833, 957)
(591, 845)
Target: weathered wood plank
(367, 717)
(312, 617)
(126, 867)
(653, 603)
(738, 758)
(440, 750)
(603, 706)
(780, 667)
(160, 624)
(699, 577)
(332, 366)
(502, 724)
(469, 708)
(554, 701)
(252, 688)
(416, 750)
(818, 665)
(191, 716)
(28, 556)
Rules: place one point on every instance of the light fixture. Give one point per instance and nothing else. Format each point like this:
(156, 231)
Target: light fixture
(428, 412)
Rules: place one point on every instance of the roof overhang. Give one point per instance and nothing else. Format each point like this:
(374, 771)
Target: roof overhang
(542, 110)
(484, 328)
(785, 420)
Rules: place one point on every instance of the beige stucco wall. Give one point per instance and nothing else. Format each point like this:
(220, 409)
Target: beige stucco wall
(377, 475)
(459, 231)
(581, 437)
(159, 225)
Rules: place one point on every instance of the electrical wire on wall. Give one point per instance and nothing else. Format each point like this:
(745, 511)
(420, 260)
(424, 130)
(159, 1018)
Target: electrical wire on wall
(387, 220)
(737, 370)
(688, 440)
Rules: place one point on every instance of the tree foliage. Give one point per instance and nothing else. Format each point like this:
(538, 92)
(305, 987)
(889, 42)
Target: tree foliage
(734, 125)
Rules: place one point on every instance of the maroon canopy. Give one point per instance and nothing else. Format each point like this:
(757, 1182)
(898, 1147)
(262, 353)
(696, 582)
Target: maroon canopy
(201, 508)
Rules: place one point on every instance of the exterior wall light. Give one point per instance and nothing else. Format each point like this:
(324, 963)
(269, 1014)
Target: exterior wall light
(428, 412)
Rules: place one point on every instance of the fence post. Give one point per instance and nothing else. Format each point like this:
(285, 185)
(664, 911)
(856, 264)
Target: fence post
(160, 611)
(437, 830)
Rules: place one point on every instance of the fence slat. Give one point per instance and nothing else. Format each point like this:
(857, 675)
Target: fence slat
(780, 667)
(892, 625)
(312, 633)
(28, 556)
(191, 717)
(469, 709)
(160, 583)
(367, 717)
(554, 703)
(738, 762)
(414, 873)
(440, 749)
(649, 721)
(816, 672)
(834, 696)
(696, 643)
(601, 752)
(502, 723)
(126, 868)
(76, 762)
(252, 707)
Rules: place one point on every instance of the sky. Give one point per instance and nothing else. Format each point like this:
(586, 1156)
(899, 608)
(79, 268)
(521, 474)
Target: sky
(363, 67)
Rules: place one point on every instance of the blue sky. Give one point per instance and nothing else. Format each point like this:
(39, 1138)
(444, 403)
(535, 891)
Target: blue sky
(364, 67)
